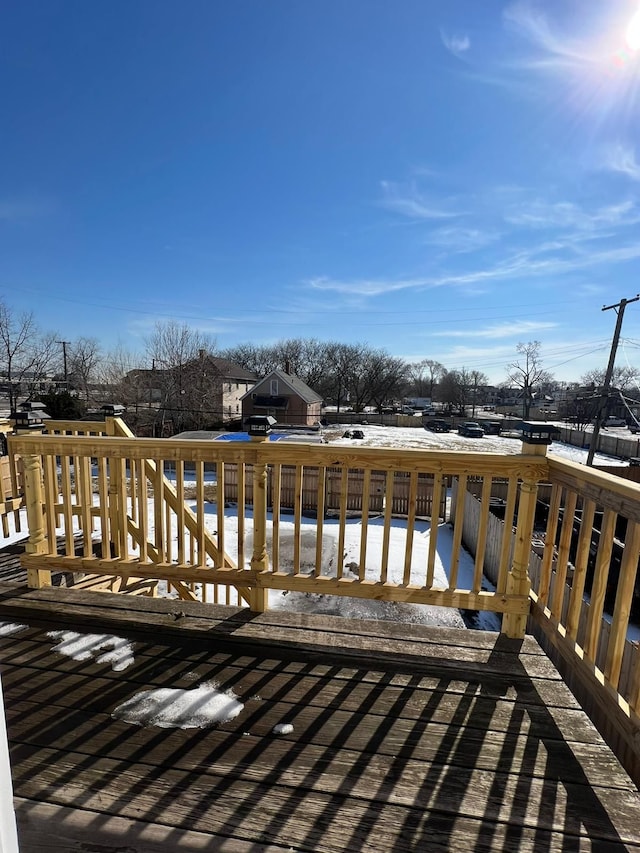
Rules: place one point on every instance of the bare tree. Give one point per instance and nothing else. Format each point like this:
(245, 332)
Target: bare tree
(476, 379)
(83, 361)
(178, 353)
(622, 378)
(308, 358)
(528, 373)
(385, 376)
(26, 354)
(258, 358)
(424, 375)
(454, 390)
(342, 375)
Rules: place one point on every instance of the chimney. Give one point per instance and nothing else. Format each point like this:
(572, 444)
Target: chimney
(287, 367)
(201, 354)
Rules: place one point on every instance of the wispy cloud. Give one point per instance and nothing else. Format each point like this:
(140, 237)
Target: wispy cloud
(499, 330)
(412, 203)
(479, 355)
(460, 240)
(455, 43)
(519, 267)
(366, 287)
(622, 158)
(553, 50)
(568, 215)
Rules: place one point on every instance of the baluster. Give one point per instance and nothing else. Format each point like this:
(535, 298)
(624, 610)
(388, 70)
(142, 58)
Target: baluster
(260, 558)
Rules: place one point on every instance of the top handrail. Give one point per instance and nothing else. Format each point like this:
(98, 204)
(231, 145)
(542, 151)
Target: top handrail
(300, 453)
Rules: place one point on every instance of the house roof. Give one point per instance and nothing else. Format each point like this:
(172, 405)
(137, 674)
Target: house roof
(291, 381)
(225, 368)
(229, 369)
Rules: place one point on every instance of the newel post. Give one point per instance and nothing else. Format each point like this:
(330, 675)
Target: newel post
(259, 429)
(37, 542)
(535, 438)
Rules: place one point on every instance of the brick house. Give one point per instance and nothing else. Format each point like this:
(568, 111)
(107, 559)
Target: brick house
(285, 397)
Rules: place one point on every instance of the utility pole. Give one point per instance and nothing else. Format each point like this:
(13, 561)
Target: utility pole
(602, 405)
(65, 344)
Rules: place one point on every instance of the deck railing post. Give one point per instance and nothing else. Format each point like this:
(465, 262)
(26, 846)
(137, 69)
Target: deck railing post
(260, 558)
(37, 542)
(518, 580)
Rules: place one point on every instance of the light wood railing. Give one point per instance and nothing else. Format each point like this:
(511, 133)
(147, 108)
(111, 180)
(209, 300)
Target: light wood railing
(11, 487)
(585, 588)
(109, 502)
(149, 511)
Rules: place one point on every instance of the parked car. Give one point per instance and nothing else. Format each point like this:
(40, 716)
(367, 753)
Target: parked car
(438, 426)
(492, 427)
(471, 429)
(634, 427)
(613, 421)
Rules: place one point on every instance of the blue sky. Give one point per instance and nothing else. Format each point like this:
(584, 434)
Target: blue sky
(441, 179)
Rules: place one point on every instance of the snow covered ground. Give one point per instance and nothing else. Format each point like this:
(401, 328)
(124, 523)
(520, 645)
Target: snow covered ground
(423, 439)
(359, 608)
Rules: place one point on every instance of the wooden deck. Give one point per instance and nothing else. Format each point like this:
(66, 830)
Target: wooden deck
(404, 738)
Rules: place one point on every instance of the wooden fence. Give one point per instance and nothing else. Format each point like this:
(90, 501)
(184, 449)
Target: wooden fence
(402, 501)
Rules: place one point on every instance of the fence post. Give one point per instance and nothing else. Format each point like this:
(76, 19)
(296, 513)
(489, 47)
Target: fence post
(258, 595)
(518, 582)
(37, 542)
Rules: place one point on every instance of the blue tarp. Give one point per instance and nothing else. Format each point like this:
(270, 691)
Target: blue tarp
(244, 436)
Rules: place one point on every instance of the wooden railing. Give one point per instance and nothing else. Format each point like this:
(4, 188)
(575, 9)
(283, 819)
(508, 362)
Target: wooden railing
(108, 499)
(11, 487)
(144, 512)
(585, 588)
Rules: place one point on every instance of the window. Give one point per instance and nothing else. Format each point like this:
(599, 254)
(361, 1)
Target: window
(274, 388)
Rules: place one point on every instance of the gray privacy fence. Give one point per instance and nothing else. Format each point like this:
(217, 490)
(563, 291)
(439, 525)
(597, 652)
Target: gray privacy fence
(626, 447)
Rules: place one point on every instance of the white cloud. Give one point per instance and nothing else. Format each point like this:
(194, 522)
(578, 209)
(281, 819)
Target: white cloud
(622, 158)
(366, 287)
(568, 215)
(477, 355)
(410, 202)
(500, 330)
(456, 239)
(521, 266)
(554, 50)
(455, 44)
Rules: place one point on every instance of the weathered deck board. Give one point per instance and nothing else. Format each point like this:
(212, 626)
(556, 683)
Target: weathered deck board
(405, 738)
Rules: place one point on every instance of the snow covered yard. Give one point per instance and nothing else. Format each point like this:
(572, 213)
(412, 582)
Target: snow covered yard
(423, 439)
(358, 608)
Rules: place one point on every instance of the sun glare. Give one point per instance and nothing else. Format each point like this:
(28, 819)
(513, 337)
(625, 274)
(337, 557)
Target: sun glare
(632, 34)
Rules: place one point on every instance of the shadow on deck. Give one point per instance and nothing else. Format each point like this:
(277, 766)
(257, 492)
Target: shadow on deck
(405, 738)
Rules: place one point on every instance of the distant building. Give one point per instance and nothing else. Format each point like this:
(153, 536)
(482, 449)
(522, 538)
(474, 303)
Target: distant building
(204, 391)
(285, 397)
